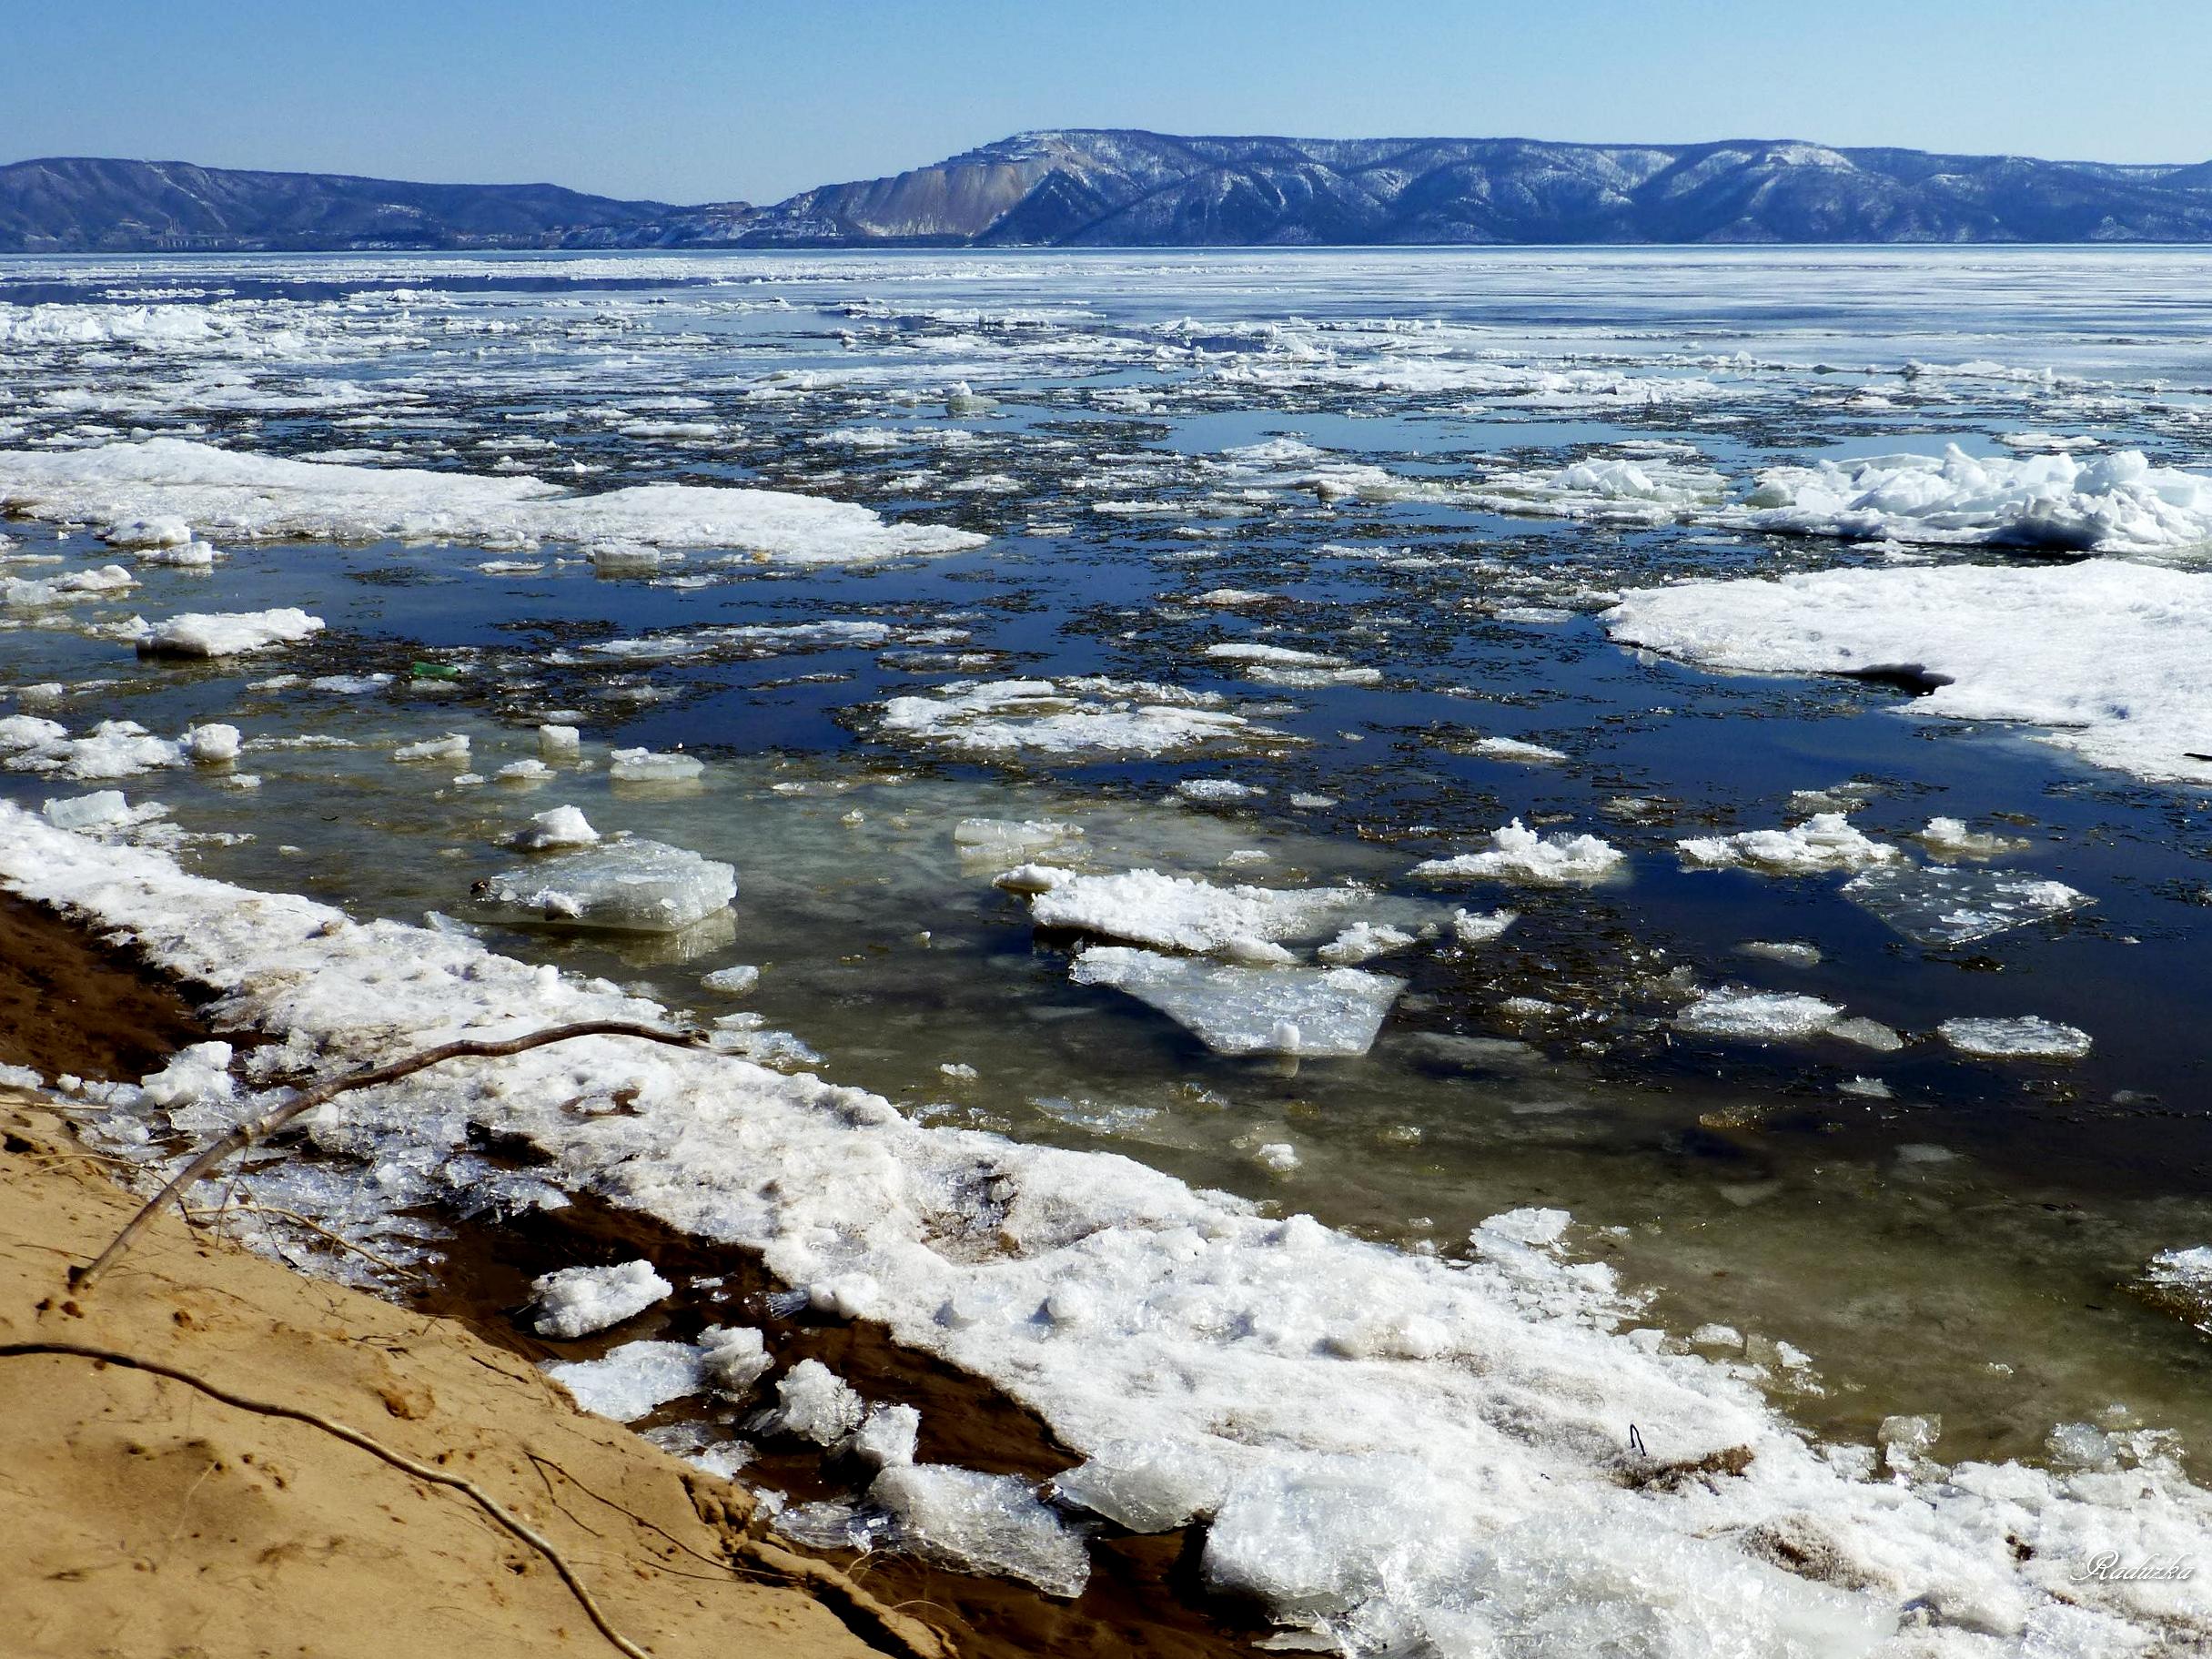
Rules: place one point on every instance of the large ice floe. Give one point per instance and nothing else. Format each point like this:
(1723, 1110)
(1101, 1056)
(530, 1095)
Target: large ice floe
(1070, 718)
(247, 497)
(2117, 503)
(1392, 1453)
(2113, 657)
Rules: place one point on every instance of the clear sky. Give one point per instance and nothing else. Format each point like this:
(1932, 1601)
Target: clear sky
(693, 100)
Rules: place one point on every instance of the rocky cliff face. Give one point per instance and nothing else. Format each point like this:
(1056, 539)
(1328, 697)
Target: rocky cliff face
(1103, 188)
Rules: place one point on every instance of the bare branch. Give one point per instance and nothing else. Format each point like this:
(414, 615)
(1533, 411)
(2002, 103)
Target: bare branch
(308, 1099)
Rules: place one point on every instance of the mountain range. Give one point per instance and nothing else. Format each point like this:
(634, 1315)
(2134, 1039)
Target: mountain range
(1099, 188)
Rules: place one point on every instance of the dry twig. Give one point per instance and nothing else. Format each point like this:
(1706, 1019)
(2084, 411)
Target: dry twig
(308, 1099)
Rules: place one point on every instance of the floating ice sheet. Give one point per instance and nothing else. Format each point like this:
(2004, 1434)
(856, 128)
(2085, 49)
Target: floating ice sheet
(1519, 854)
(2029, 1037)
(2109, 653)
(247, 497)
(195, 633)
(1316, 1012)
(2114, 502)
(1826, 841)
(1074, 717)
(1758, 1017)
(1948, 904)
(1178, 913)
(625, 886)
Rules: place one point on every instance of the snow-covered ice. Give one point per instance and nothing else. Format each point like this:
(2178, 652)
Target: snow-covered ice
(1518, 853)
(576, 1302)
(197, 634)
(2109, 654)
(1826, 841)
(1179, 913)
(2112, 502)
(245, 497)
(1070, 718)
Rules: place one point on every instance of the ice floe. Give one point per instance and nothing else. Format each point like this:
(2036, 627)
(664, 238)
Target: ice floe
(1178, 913)
(2112, 502)
(1826, 841)
(1470, 1483)
(633, 1379)
(195, 633)
(249, 496)
(1070, 718)
(576, 1302)
(1946, 904)
(2028, 1037)
(2109, 653)
(1518, 853)
(625, 886)
(1320, 1013)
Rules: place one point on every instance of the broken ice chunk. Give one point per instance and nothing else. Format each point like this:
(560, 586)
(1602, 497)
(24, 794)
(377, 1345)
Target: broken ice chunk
(2179, 1281)
(193, 633)
(1146, 1486)
(1519, 854)
(1792, 953)
(888, 1436)
(1360, 941)
(1947, 904)
(2028, 1038)
(562, 826)
(1826, 841)
(643, 766)
(1757, 1017)
(732, 981)
(1516, 749)
(623, 887)
(733, 1358)
(1475, 927)
(633, 1379)
(95, 811)
(1317, 1012)
(1178, 913)
(559, 742)
(815, 1403)
(1950, 838)
(452, 746)
(1002, 842)
(576, 1302)
(211, 745)
(981, 1523)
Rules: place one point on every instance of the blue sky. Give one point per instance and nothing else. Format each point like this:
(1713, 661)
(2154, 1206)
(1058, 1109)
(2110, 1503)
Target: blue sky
(689, 101)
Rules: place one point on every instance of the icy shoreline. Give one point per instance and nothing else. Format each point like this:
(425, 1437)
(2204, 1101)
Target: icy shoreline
(1406, 1448)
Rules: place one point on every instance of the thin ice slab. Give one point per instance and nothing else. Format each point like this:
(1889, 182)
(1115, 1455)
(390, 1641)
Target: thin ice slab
(1954, 905)
(1327, 1013)
(629, 886)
